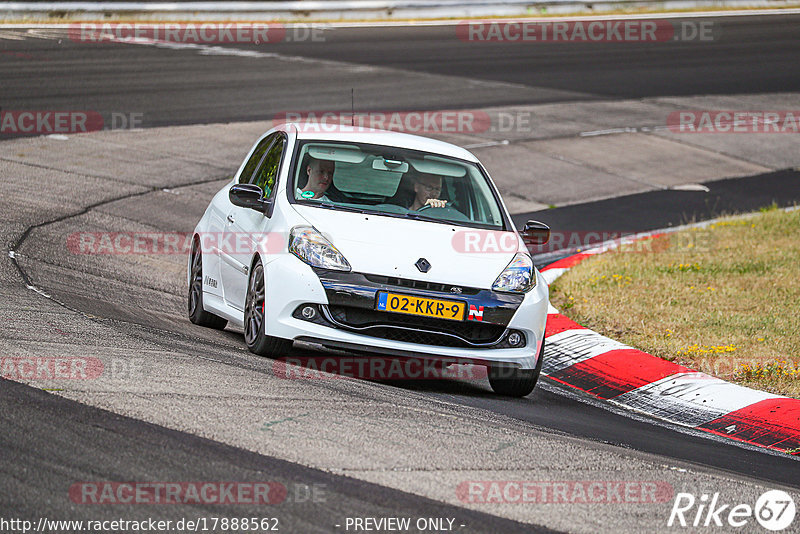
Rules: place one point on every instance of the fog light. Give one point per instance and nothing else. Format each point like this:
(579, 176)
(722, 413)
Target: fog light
(309, 312)
(515, 339)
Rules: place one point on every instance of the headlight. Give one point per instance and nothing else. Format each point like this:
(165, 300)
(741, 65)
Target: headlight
(518, 277)
(311, 247)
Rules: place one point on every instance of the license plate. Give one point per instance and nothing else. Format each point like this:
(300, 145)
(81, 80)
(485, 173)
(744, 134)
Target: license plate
(440, 309)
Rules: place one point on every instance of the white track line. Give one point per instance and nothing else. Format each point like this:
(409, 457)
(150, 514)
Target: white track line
(411, 23)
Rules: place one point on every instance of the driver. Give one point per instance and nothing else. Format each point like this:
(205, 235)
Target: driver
(320, 176)
(426, 192)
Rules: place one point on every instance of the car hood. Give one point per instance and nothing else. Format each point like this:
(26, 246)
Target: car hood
(391, 246)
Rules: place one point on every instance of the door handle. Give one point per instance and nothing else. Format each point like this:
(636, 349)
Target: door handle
(231, 219)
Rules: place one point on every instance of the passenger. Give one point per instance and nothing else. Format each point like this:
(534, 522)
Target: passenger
(320, 178)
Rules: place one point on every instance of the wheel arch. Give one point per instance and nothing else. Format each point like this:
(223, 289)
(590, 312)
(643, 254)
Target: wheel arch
(195, 241)
(253, 260)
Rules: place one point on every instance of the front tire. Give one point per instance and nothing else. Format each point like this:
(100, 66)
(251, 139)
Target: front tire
(196, 312)
(512, 382)
(254, 323)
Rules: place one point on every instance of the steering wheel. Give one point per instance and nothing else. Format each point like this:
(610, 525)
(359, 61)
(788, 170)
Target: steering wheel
(446, 213)
(429, 206)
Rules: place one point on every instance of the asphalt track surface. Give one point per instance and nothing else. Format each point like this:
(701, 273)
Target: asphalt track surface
(35, 445)
(434, 69)
(169, 87)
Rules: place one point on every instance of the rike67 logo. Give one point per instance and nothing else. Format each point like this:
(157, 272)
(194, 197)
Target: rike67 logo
(774, 510)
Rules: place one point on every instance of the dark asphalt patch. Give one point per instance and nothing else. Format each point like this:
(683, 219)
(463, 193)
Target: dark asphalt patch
(642, 212)
(653, 210)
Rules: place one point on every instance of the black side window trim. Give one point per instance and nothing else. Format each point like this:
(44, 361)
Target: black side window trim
(278, 136)
(269, 142)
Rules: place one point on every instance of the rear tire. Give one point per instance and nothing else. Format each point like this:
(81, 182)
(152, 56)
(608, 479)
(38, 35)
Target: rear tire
(512, 382)
(196, 312)
(254, 324)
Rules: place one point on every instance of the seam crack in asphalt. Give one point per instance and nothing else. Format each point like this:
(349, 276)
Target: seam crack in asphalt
(98, 274)
(18, 243)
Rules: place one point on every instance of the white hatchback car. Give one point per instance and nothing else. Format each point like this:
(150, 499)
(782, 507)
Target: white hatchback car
(373, 242)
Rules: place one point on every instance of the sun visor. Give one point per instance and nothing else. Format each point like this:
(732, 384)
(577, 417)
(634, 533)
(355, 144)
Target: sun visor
(343, 153)
(440, 166)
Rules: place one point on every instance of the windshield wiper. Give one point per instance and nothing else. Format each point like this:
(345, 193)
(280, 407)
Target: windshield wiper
(410, 215)
(329, 206)
(466, 224)
(420, 217)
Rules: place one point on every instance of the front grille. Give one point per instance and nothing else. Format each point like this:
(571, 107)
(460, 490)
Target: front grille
(419, 284)
(415, 336)
(424, 330)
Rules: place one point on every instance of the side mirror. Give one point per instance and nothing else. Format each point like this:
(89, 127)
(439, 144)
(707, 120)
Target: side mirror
(535, 233)
(248, 196)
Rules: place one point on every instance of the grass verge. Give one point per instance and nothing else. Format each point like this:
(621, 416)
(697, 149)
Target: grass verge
(724, 300)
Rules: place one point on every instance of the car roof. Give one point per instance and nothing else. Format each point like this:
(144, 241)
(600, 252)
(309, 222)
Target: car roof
(377, 137)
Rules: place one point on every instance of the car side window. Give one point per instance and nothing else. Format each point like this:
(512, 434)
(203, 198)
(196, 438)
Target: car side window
(267, 174)
(255, 159)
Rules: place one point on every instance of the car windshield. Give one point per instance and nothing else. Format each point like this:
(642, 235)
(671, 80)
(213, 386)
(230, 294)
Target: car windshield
(396, 182)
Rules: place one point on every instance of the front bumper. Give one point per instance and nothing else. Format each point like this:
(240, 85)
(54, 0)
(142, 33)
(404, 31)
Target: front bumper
(291, 284)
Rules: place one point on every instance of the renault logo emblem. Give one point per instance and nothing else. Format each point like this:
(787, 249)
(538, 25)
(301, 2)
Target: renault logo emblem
(423, 265)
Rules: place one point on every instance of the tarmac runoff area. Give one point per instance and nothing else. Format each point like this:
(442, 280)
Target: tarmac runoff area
(128, 310)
